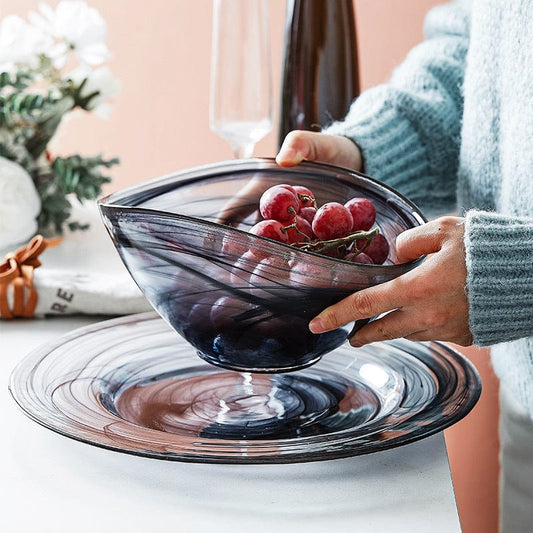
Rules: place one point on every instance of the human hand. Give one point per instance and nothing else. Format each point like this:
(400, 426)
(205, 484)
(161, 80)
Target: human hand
(427, 303)
(299, 145)
(242, 204)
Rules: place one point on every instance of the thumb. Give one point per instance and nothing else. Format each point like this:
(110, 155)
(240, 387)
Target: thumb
(416, 242)
(429, 238)
(314, 146)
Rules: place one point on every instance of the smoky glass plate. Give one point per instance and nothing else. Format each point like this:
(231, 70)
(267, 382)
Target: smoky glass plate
(133, 385)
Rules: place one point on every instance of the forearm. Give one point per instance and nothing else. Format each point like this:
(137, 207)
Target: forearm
(409, 129)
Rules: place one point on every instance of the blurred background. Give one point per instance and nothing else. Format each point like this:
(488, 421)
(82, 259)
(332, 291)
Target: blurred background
(161, 55)
(160, 124)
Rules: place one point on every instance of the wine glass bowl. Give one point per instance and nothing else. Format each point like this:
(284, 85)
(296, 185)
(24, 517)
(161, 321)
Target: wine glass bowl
(240, 108)
(184, 238)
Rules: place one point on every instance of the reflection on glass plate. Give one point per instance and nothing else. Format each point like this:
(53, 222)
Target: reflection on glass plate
(133, 385)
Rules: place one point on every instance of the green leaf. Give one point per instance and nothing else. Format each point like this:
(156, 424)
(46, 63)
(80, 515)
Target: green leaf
(80, 176)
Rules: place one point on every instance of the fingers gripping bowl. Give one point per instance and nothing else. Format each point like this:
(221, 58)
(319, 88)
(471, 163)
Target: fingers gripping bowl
(184, 239)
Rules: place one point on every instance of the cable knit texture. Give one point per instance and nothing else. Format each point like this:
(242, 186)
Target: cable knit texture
(453, 130)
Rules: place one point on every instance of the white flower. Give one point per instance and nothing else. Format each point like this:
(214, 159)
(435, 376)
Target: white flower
(20, 43)
(19, 204)
(78, 26)
(98, 80)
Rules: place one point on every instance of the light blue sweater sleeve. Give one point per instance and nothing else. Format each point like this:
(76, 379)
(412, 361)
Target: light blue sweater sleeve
(409, 129)
(416, 134)
(499, 260)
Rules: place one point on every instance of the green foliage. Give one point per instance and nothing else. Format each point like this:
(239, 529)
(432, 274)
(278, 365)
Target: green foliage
(19, 81)
(29, 120)
(75, 175)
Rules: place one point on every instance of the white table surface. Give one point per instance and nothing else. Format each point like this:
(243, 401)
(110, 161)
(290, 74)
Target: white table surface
(52, 483)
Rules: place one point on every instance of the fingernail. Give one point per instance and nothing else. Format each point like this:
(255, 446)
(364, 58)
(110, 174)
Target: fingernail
(355, 343)
(316, 325)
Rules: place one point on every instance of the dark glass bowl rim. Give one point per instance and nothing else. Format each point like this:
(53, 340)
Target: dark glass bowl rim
(126, 199)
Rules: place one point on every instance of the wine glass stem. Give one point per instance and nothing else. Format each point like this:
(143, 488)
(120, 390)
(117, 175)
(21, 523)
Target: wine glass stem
(243, 151)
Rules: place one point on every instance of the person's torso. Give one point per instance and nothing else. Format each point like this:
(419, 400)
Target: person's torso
(496, 161)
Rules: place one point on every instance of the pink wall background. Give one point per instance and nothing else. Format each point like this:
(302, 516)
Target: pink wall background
(159, 124)
(161, 55)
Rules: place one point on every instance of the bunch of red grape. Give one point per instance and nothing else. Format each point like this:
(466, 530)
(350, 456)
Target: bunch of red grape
(291, 215)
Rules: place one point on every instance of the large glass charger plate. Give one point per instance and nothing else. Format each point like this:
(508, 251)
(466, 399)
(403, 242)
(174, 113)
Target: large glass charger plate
(134, 385)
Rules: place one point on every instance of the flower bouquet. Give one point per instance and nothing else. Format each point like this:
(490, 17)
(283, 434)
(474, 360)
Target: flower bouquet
(50, 65)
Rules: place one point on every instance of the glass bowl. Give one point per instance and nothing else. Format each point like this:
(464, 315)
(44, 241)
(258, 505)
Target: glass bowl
(183, 238)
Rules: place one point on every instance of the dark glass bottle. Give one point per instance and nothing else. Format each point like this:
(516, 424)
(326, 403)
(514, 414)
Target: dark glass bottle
(320, 66)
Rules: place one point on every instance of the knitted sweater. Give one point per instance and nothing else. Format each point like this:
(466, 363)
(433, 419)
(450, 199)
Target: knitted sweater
(453, 131)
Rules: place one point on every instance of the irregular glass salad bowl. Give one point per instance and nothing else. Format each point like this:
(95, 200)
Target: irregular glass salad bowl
(183, 238)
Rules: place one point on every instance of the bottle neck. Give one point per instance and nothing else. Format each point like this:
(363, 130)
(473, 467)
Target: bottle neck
(320, 66)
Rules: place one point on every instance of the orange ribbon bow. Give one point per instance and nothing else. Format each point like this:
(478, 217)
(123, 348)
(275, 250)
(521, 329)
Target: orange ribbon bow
(17, 270)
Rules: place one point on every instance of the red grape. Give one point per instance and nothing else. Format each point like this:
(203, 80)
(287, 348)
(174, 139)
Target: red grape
(242, 268)
(271, 229)
(377, 250)
(305, 196)
(291, 216)
(279, 203)
(271, 269)
(311, 275)
(332, 221)
(232, 247)
(361, 258)
(286, 186)
(308, 213)
(301, 233)
(363, 213)
(224, 311)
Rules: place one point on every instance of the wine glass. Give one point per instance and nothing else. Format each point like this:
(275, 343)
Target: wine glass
(241, 91)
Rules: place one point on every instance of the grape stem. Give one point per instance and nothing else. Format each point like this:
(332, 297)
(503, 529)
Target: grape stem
(321, 247)
(294, 226)
(304, 198)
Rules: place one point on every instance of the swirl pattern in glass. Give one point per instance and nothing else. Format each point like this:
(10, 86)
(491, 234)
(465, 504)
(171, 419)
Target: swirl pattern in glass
(183, 238)
(133, 385)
